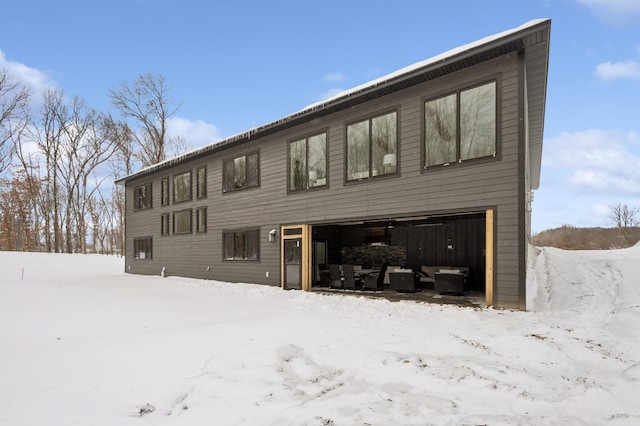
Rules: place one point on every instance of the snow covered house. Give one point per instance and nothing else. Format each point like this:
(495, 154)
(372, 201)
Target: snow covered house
(431, 167)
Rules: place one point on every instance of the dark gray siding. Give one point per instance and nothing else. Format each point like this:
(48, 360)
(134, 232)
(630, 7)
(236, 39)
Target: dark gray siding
(474, 186)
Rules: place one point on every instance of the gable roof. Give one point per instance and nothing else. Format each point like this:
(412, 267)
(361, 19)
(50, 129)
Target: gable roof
(531, 37)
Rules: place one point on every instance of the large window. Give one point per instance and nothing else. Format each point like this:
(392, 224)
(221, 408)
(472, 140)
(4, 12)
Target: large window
(142, 248)
(164, 192)
(142, 197)
(201, 182)
(308, 162)
(241, 172)
(182, 187)
(182, 222)
(372, 147)
(241, 244)
(460, 126)
(201, 219)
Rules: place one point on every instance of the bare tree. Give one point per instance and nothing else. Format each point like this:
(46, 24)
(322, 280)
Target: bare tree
(624, 218)
(18, 225)
(123, 160)
(99, 226)
(33, 186)
(84, 147)
(46, 133)
(147, 102)
(65, 146)
(13, 115)
(105, 222)
(141, 137)
(122, 164)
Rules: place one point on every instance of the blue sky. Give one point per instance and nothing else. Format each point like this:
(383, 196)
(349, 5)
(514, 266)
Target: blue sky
(239, 64)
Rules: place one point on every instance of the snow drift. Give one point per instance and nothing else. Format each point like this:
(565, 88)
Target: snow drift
(84, 343)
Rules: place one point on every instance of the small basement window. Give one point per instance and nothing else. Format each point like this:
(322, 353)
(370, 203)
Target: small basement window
(143, 248)
(241, 244)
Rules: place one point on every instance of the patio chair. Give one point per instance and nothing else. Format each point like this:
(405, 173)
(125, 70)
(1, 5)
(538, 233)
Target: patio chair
(335, 280)
(351, 281)
(375, 280)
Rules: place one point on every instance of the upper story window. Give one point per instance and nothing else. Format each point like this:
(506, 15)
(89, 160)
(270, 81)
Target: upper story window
(241, 172)
(164, 191)
(308, 162)
(142, 197)
(182, 187)
(201, 182)
(372, 146)
(460, 126)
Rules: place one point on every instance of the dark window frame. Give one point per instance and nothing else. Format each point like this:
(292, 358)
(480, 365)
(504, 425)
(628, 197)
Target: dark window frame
(245, 240)
(306, 139)
(201, 183)
(146, 241)
(175, 186)
(174, 222)
(201, 211)
(143, 202)
(165, 195)
(164, 224)
(495, 79)
(249, 180)
(369, 119)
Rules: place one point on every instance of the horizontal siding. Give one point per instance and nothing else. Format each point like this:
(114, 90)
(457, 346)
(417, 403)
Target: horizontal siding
(470, 186)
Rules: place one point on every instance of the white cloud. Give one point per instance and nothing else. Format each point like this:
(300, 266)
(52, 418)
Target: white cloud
(331, 93)
(602, 182)
(617, 70)
(614, 12)
(601, 210)
(196, 133)
(595, 161)
(34, 79)
(335, 77)
(373, 72)
(582, 174)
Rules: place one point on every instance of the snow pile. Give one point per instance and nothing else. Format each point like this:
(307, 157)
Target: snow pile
(84, 343)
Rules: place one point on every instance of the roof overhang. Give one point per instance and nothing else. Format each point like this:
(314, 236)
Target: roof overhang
(531, 38)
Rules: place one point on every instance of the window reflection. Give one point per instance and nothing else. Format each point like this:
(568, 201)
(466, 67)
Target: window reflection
(308, 162)
(478, 122)
(383, 144)
(358, 150)
(372, 147)
(182, 187)
(241, 172)
(473, 113)
(440, 130)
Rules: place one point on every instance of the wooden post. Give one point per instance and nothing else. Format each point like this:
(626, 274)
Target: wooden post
(488, 287)
(307, 267)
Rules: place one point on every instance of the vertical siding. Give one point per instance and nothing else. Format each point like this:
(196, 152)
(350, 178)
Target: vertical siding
(473, 186)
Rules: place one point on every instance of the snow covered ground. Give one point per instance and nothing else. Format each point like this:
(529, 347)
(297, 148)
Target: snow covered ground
(83, 343)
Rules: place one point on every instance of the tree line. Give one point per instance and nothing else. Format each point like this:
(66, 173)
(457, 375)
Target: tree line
(59, 157)
(625, 232)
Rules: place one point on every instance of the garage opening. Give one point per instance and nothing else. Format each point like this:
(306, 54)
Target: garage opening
(441, 254)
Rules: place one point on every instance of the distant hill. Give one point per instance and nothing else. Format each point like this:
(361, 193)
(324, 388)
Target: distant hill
(572, 238)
